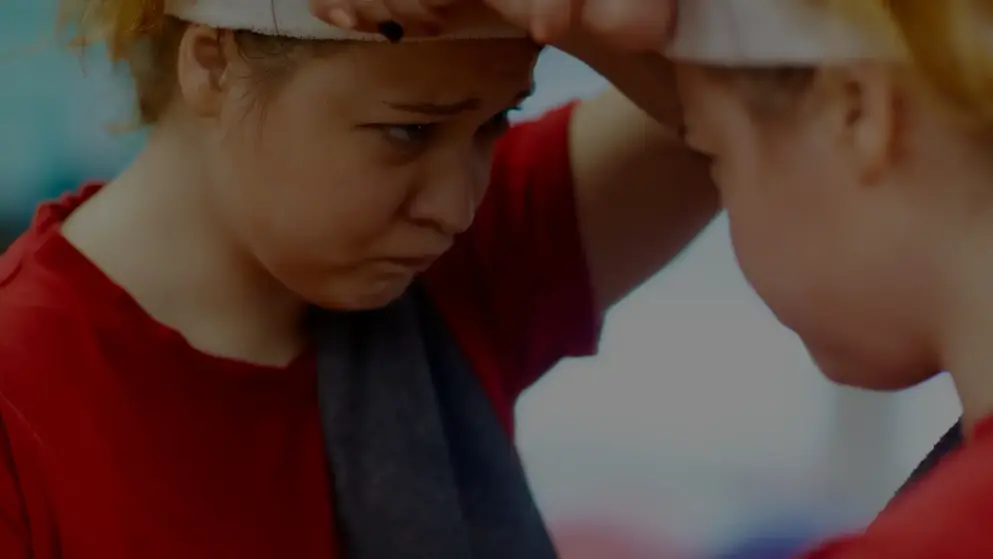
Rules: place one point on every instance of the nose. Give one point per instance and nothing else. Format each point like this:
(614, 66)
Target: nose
(450, 192)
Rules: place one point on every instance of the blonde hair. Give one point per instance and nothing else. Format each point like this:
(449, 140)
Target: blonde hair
(141, 35)
(950, 44)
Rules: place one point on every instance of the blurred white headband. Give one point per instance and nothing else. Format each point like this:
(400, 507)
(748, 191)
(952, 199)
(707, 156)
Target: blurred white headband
(768, 32)
(292, 18)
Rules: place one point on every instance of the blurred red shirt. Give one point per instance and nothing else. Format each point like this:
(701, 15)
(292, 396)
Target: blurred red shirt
(947, 514)
(118, 440)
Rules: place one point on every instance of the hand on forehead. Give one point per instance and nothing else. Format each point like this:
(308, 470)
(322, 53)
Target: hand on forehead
(631, 24)
(409, 19)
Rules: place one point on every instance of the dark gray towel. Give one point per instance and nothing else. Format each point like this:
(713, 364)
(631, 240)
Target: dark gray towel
(421, 467)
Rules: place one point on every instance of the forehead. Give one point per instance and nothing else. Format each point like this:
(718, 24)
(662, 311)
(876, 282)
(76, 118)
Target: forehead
(430, 70)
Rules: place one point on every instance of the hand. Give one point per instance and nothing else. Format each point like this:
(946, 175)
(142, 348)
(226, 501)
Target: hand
(628, 24)
(416, 17)
(641, 25)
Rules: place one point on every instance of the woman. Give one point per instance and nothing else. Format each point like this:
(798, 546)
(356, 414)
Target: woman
(294, 326)
(879, 259)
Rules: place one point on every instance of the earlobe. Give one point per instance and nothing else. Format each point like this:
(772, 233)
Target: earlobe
(872, 119)
(202, 68)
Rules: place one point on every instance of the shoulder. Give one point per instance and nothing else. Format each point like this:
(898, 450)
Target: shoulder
(960, 484)
(946, 515)
(41, 330)
(35, 299)
(44, 330)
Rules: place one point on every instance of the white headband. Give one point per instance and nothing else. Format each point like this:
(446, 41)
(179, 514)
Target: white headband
(292, 18)
(764, 32)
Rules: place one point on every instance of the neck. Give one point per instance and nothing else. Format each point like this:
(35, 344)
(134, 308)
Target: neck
(156, 233)
(966, 342)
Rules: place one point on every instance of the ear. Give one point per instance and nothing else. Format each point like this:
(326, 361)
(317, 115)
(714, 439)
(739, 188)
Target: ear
(203, 69)
(867, 114)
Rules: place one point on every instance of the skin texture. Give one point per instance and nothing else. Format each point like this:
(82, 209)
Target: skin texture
(312, 190)
(326, 190)
(637, 25)
(368, 178)
(857, 211)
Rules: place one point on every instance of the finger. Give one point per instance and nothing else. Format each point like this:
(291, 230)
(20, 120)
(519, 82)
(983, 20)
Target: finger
(375, 16)
(517, 12)
(342, 15)
(631, 24)
(551, 19)
(379, 16)
(370, 14)
(319, 9)
(333, 12)
(413, 14)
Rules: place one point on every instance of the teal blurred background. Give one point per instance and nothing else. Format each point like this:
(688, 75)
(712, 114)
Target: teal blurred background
(56, 109)
(702, 420)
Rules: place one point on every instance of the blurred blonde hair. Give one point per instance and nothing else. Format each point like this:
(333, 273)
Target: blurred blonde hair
(139, 34)
(950, 44)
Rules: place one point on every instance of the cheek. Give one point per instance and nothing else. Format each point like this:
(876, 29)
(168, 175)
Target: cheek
(310, 194)
(776, 228)
(347, 206)
(754, 223)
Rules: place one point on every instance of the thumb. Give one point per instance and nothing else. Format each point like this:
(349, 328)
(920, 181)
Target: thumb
(517, 12)
(632, 24)
(322, 10)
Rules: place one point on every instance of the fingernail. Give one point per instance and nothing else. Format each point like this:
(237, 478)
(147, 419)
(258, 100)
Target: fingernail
(341, 18)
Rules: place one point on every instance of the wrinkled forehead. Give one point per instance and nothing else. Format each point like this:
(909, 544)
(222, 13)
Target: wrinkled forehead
(443, 65)
(770, 32)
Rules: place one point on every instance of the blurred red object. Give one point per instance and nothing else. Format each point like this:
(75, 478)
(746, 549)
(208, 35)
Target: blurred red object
(592, 539)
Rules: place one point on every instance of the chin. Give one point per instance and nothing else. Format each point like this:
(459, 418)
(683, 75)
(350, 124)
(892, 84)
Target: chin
(362, 296)
(869, 371)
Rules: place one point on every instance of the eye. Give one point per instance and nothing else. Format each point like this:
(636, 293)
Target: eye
(408, 136)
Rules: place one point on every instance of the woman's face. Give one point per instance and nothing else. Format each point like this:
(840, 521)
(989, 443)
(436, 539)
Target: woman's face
(823, 241)
(364, 164)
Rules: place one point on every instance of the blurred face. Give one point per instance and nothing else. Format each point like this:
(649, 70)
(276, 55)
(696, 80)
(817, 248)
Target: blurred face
(364, 164)
(822, 228)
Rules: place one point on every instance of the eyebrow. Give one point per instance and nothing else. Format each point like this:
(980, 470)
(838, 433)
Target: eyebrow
(451, 109)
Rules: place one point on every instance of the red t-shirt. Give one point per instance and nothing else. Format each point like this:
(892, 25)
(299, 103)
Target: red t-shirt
(948, 514)
(119, 440)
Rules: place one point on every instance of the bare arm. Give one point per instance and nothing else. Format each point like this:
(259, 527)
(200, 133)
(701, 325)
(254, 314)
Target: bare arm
(642, 195)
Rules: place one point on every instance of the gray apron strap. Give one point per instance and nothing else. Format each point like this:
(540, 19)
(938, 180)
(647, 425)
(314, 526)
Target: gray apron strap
(419, 463)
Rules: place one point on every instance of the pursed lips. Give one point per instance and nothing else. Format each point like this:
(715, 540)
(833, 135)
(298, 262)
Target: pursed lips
(415, 263)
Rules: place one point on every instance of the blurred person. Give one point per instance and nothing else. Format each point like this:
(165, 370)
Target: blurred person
(297, 323)
(850, 141)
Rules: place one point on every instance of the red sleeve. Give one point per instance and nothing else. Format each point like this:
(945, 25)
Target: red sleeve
(948, 515)
(13, 524)
(522, 265)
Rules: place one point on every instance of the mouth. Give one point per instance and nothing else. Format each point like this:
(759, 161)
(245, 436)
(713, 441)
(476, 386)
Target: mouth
(415, 263)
